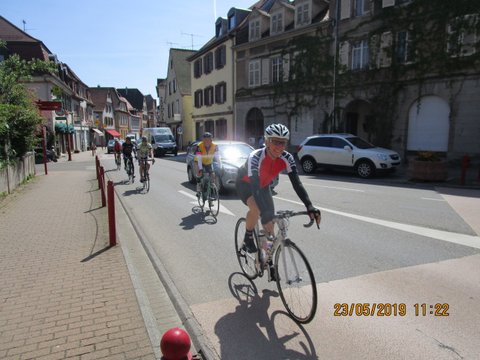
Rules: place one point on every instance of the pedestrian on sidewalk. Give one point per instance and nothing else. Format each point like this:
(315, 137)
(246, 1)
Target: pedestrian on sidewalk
(94, 148)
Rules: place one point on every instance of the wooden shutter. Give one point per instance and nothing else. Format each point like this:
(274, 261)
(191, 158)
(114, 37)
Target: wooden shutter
(286, 67)
(345, 9)
(343, 51)
(265, 71)
(384, 53)
(387, 3)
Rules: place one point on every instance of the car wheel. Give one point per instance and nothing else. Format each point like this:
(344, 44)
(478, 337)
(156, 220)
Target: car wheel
(365, 169)
(308, 165)
(191, 177)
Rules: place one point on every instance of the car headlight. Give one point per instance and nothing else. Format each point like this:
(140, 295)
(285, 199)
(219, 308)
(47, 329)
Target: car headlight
(382, 157)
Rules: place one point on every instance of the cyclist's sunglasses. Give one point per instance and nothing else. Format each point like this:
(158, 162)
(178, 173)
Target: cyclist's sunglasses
(278, 142)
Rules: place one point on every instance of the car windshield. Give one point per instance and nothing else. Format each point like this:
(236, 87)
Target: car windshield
(234, 151)
(163, 138)
(360, 143)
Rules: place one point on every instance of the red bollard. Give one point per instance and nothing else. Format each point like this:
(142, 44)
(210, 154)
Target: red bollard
(111, 214)
(102, 186)
(175, 345)
(97, 169)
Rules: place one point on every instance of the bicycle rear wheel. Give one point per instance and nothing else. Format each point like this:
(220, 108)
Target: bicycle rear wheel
(146, 180)
(201, 199)
(130, 171)
(118, 162)
(295, 282)
(247, 261)
(213, 200)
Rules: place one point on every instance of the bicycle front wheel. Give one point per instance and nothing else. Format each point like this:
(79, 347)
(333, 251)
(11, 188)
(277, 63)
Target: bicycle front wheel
(247, 261)
(295, 282)
(213, 200)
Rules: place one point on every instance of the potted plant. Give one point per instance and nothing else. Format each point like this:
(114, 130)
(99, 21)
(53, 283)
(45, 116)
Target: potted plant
(429, 166)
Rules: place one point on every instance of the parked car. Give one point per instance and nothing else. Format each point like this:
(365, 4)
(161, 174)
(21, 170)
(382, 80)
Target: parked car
(345, 151)
(232, 153)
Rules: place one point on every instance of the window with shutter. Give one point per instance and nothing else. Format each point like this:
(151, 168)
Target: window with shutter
(254, 73)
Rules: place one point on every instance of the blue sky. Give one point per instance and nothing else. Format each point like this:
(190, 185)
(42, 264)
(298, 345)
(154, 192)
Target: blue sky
(119, 43)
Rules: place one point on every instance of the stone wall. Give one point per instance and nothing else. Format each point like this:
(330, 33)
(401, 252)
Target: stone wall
(13, 175)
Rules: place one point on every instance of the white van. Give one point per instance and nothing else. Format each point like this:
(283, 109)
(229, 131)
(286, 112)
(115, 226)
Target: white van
(162, 140)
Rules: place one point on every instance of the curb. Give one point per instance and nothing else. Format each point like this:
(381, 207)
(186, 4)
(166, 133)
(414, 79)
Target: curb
(199, 340)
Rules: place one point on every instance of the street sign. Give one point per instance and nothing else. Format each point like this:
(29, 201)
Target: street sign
(49, 105)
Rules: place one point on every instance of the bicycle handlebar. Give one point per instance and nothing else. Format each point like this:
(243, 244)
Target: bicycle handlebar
(285, 214)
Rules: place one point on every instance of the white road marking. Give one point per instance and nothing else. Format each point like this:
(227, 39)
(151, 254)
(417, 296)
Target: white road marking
(461, 239)
(334, 187)
(424, 198)
(222, 209)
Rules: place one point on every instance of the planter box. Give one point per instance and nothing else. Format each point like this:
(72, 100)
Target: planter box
(429, 170)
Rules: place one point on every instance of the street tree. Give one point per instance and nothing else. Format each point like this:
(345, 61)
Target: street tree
(19, 116)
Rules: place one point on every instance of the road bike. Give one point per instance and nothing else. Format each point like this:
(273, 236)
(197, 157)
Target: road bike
(209, 194)
(130, 169)
(146, 173)
(118, 161)
(292, 272)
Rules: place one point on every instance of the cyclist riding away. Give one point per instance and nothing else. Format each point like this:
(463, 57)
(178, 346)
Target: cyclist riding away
(144, 152)
(255, 176)
(205, 152)
(117, 149)
(127, 149)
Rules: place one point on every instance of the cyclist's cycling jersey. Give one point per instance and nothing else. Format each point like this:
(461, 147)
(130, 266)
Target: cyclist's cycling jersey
(258, 171)
(127, 149)
(144, 150)
(204, 156)
(117, 147)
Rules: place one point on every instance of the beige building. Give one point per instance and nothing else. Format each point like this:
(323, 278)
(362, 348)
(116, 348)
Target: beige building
(177, 102)
(213, 85)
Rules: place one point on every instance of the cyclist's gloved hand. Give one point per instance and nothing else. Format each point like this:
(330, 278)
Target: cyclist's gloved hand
(314, 214)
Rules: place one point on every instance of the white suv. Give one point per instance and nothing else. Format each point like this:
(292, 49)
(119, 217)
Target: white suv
(345, 151)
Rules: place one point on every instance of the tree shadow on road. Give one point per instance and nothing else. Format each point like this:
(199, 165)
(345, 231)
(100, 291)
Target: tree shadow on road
(250, 333)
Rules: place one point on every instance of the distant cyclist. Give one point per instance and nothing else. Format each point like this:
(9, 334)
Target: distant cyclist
(205, 152)
(117, 149)
(144, 151)
(127, 149)
(255, 176)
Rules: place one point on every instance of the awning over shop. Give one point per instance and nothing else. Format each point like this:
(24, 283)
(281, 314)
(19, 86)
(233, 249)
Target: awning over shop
(98, 132)
(114, 133)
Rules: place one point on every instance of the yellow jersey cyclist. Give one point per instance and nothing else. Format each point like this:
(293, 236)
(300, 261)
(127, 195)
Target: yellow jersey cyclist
(144, 151)
(205, 154)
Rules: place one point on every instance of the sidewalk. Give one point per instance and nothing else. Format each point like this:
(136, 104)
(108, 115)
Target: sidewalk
(64, 293)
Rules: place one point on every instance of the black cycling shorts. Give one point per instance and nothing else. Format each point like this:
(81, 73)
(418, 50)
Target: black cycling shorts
(244, 190)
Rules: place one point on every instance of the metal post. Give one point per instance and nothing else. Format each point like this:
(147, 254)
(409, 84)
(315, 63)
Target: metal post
(102, 187)
(44, 146)
(111, 214)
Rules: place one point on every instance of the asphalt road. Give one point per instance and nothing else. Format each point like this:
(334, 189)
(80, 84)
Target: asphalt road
(379, 243)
